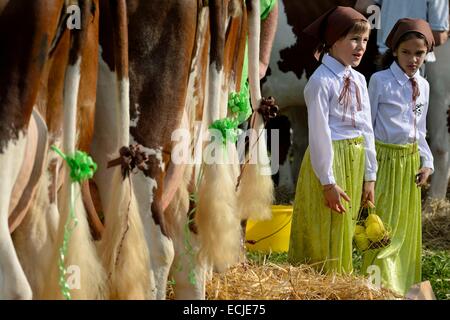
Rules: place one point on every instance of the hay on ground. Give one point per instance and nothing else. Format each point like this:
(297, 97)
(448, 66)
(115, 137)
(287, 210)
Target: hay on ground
(436, 225)
(271, 281)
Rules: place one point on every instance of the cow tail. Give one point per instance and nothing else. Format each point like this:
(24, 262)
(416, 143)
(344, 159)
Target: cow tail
(123, 247)
(85, 274)
(256, 187)
(216, 217)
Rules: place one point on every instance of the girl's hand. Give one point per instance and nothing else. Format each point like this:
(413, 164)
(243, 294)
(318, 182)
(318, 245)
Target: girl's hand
(422, 176)
(333, 194)
(368, 192)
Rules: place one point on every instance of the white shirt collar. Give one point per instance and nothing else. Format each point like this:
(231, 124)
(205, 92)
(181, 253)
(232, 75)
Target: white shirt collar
(400, 75)
(335, 66)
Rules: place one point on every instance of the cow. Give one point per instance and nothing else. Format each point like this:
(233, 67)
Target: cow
(161, 44)
(30, 55)
(163, 189)
(53, 70)
(184, 60)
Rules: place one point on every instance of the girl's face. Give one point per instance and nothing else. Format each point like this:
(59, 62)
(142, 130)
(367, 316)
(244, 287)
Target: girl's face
(411, 55)
(350, 49)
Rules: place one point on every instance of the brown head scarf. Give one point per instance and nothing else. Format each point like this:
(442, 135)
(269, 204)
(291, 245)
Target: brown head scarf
(330, 27)
(406, 25)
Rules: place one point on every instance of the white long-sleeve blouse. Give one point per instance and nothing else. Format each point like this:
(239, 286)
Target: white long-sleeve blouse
(328, 120)
(393, 112)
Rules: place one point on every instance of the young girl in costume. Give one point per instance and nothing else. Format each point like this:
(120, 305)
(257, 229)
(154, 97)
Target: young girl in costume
(339, 167)
(399, 101)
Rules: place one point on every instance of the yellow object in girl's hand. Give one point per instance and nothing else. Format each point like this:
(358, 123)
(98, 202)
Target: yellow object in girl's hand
(361, 240)
(359, 229)
(374, 232)
(373, 219)
(370, 232)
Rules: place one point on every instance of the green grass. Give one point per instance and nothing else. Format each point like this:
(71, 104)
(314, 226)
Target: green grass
(357, 261)
(435, 267)
(260, 258)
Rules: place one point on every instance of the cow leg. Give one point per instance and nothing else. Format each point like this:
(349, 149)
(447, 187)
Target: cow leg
(189, 274)
(24, 54)
(299, 121)
(439, 142)
(438, 75)
(188, 270)
(161, 257)
(285, 176)
(34, 238)
(438, 188)
(160, 245)
(13, 283)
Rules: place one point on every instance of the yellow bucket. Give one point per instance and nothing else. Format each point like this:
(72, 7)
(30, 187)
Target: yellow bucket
(270, 235)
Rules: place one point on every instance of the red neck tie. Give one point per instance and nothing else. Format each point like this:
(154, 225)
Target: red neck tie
(415, 95)
(345, 98)
(415, 90)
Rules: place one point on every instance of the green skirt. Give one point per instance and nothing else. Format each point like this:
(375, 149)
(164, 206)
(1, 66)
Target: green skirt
(319, 236)
(398, 203)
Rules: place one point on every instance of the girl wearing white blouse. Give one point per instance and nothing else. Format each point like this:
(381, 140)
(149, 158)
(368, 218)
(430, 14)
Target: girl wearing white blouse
(399, 100)
(341, 152)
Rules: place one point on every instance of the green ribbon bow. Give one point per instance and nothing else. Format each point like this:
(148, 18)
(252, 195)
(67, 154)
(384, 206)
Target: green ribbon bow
(238, 104)
(82, 168)
(228, 128)
(81, 165)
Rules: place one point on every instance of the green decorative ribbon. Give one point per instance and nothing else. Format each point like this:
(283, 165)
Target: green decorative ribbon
(228, 128)
(239, 107)
(190, 252)
(189, 249)
(81, 165)
(82, 168)
(238, 104)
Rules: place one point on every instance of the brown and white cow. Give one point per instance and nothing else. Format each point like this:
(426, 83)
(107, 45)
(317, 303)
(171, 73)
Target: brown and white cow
(184, 60)
(46, 65)
(37, 61)
(162, 38)
(160, 61)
